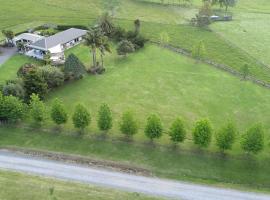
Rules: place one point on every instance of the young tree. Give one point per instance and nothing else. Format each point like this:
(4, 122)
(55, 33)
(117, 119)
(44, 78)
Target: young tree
(128, 125)
(226, 137)
(74, 68)
(37, 109)
(137, 24)
(125, 47)
(198, 51)
(177, 131)
(153, 127)
(104, 118)
(202, 133)
(245, 70)
(81, 117)
(253, 139)
(58, 112)
(11, 108)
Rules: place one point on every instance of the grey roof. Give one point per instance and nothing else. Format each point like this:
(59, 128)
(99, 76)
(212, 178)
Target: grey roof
(58, 38)
(28, 36)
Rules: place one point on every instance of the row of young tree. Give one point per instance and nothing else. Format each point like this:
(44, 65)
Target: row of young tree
(12, 110)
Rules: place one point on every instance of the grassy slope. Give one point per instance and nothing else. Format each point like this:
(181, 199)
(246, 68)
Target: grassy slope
(25, 187)
(160, 81)
(157, 18)
(197, 166)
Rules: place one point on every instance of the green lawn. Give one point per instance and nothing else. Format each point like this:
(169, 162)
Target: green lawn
(198, 166)
(26, 187)
(155, 80)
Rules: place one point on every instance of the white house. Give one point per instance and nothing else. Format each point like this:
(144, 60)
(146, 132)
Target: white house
(55, 45)
(26, 38)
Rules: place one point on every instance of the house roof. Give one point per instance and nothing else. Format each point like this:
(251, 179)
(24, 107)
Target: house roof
(58, 38)
(28, 36)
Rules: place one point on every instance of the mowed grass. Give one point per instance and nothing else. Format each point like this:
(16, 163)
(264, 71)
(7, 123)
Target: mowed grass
(26, 187)
(244, 172)
(155, 80)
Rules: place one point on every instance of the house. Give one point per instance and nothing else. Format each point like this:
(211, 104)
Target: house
(54, 45)
(26, 38)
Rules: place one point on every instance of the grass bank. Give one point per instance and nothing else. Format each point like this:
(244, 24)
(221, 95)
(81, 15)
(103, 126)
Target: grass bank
(199, 166)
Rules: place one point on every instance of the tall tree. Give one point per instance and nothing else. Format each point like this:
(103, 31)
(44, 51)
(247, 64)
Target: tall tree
(106, 24)
(137, 24)
(93, 39)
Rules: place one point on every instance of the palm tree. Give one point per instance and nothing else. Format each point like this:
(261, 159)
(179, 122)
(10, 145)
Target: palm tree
(106, 24)
(93, 40)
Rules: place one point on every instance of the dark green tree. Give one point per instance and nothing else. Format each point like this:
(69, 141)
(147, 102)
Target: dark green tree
(104, 118)
(128, 125)
(74, 68)
(253, 139)
(154, 128)
(202, 133)
(59, 113)
(125, 47)
(37, 109)
(226, 137)
(177, 131)
(81, 117)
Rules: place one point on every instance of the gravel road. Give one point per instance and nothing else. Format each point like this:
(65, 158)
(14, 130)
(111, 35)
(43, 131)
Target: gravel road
(122, 181)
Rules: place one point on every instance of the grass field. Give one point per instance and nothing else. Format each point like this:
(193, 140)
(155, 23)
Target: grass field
(156, 19)
(198, 166)
(25, 187)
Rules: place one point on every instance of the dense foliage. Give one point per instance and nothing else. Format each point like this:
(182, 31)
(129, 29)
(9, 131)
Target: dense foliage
(202, 133)
(128, 124)
(104, 118)
(154, 128)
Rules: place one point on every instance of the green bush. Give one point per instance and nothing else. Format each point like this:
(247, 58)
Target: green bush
(14, 88)
(37, 109)
(125, 47)
(226, 137)
(58, 112)
(128, 125)
(153, 129)
(81, 117)
(177, 131)
(253, 139)
(104, 118)
(12, 109)
(53, 76)
(202, 133)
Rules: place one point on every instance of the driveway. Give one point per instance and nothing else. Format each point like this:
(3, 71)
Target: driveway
(6, 53)
(122, 181)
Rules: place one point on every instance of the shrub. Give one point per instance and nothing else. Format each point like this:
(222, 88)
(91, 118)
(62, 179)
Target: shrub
(125, 47)
(25, 69)
(14, 88)
(12, 109)
(34, 83)
(53, 76)
(202, 133)
(253, 139)
(58, 112)
(153, 127)
(81, 117)
(37, 109)
(138, 42)
(104, 118)
(177, 131)
(74, 68)
(128, 125)
(226, 137)
(118, 34)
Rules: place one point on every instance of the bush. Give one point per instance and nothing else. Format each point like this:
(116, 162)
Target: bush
(125, 47)
(202, 133)
(139, 41)
(81, 117)
(53, 76)
(74, 68)
(253, 139)
(37, 109)
(12, 109)
(128, 125)
(177, 131)
(119, 34)
(226, 137)
(153, 127)
(14, 88)
(104, 118)
(25, 69)
(34, 83)
(58, 112)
